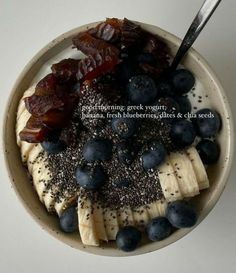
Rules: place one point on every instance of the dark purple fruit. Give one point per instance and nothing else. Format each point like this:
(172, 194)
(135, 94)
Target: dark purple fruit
(128, 238)
(207, 122)
(182, 81)
(182, 133)
(209, 151)
(141, 89)
(158, 229)
(181, 214)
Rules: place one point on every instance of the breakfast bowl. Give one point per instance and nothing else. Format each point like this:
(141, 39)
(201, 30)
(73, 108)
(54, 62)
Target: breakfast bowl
(210, 90)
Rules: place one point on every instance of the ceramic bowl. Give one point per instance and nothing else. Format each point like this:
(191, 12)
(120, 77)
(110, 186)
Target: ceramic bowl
(218, 173)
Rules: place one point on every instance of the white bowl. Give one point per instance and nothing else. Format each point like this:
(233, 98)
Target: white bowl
(218, 173)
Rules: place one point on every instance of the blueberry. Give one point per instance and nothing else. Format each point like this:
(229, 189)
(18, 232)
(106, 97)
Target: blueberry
(76, 88)
(125, 152)
(128, 238)
(158, 229)
(90, 177)
(97, 149)
(126, 70)
(167, 106)
(182, 81)
(123, 183)
(69, 220)
(182, 133)
(181, 214)
(141, 89)
(153, 157)
(209, 151)
(54, 147)
(207, 122)
(164, 89)
(146, 57)
(124, 127)
(184, 104)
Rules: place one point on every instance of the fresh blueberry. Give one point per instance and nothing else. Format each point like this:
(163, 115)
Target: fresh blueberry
(69, 220)
(76, 88)
(184, 104)
(90, 177)
(207, 122)
(97, 149)
(182, 133)
(182, 81)
(124, 127)
(125, 152)
(181, 214)
(168, 109)
(141, 89)
(209, 151)
(126, 70)
(158, 229)
(154, 156)
(54, 147)
(164, 89)
(128, 238)
(123, 183)
(146, 58)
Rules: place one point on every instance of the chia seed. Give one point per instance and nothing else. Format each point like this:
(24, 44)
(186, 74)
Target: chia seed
(144, 187)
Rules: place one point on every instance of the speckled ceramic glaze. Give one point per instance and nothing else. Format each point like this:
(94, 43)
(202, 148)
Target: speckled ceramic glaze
(218, 173)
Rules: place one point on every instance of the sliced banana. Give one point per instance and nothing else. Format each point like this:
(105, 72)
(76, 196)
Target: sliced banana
(185, 174)
(168, 181)
(141, 216)
(41, 177)
(125, 217)
(49, 198)
(22, 117)
(153, 210)
(67, 201)
(162, 206)
(25, 150)
(33, 155)
(20, 124)
(111, 223)
(199, 168)
(86, 223)
(99, 222)
(27, 93)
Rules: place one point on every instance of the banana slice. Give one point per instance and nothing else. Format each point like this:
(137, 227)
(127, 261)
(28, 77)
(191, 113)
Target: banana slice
(49, 198)
(25, 150)
(41, 177)
(162, 206)
(33, 155)
(21, 106)
(86, 223)
(185, 174)
(157, 208)
(20, 124)
(22, 117)
(168, 182)
(111, 223)
(125, 217)
(141, 216)
(199, 169)
(99, 222)
(66, 202)
(153, 210)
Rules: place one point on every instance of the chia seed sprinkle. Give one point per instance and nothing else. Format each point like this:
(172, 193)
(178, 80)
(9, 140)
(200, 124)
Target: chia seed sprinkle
(144, 187)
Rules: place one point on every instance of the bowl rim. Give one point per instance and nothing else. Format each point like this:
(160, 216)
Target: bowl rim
(180, 233)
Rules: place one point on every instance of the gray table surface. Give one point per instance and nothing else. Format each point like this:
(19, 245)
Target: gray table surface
(25, 27)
